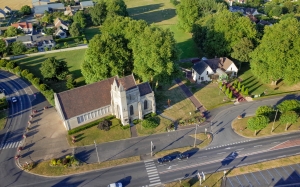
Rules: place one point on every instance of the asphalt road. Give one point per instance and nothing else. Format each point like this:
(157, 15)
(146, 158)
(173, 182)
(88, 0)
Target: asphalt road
(217, 157)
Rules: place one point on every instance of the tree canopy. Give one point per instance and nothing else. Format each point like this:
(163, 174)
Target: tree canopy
(264, 111)
(75, 29)
(2, 46)
(79, 17)
(107, 56)
(18, 48)
(289, 105)
(54, 69)
(277, 55)
(257, 123)
(224, 34)
(26, 10)
(11, 31)
(288, 117)
(189, 11)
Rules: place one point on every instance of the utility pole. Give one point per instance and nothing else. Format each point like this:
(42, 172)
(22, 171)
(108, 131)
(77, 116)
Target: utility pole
(274, 121)
(97, 151)
(195, 135)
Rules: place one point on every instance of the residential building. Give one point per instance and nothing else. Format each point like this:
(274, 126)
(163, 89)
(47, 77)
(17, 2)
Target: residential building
(61, 33)
(121, 97)
(7, 10)
(58, 23)
(213, 69)
(40, 10)
(39, 41)
(2, 14)
(71, 10)
(39, 2)
(26, 27)
(86, 4)
(53, 7)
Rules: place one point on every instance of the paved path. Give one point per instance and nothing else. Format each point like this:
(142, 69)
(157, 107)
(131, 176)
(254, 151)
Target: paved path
(190, 95)
(133, 131)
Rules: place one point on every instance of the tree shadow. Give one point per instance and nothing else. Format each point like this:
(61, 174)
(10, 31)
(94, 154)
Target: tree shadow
(142, 9)
(155, 16)
(67, 182)
(27, 153)
(28, 146)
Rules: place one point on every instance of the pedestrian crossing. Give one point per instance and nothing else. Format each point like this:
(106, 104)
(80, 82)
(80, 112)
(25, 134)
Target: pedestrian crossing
(152, 173)
(9, 145)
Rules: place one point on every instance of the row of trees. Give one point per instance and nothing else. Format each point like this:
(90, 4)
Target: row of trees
(288, 114)
(272, 53)
(128, 46)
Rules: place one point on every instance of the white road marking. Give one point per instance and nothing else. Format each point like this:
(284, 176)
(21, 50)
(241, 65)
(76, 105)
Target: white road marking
(221, 153)
(257, 146)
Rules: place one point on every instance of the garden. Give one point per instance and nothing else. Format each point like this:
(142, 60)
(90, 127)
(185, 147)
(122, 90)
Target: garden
(268, 121)
(102, 130)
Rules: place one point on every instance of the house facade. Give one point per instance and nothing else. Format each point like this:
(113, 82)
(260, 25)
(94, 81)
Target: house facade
(121, 97)
(7, 10)
(39, 41)
(213, 69)
(2, 14)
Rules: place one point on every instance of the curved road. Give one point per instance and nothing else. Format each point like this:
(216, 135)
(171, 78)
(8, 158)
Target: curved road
(216, 157)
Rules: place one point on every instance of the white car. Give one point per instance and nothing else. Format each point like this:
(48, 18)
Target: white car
(14, 99)
(115, 185)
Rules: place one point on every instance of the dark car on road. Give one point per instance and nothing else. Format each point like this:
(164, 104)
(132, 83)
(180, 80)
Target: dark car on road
(182, 156)
(164, 159)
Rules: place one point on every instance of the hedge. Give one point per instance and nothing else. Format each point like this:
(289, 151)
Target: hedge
(89, 125)
(69, 39)
(151, 123)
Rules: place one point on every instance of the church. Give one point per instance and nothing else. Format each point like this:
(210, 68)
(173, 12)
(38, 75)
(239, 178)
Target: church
(121, 97)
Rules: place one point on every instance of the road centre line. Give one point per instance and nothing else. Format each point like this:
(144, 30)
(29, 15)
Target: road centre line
(257, 146)
(240, 149)
(221, 153)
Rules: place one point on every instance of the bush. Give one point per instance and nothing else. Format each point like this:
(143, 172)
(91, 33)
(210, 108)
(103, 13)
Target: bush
(3, 62)
(136, 121)
(29, 76)
(230, 95)
(53, 162)
(153, 114)
(104, 125)
(11, 65)
(24, 73)
(89, 125)
(174, 2)
(36, 81)
(151, 122)
(224, 88)
(43, 87)
(17, 70)
(125, 126)
(246, 92)
(220, 85)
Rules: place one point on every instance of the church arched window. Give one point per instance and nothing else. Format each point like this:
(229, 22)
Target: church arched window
(131, 110)
(145, 105)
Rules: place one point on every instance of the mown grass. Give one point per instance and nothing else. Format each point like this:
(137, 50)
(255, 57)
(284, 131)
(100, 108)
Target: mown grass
(240, 127)
(91, 32)
(73, 58)
(164, 123)
(88, 136)
(44, 167)
(3, 116)
(256, 87)
(201, 136)
(180, 105)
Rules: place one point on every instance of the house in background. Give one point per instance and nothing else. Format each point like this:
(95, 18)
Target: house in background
(39, 2)
(26, 27)
(86, 4)
(213, 69)
(121, 97)
(7, 10)
(56, 7)
(71, 10)
(40, 10)
(60, 24)
(2, 14)
(39, 41)
(61, 33)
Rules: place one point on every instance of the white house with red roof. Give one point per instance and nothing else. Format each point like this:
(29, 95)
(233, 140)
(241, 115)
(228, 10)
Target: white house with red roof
(26, 27)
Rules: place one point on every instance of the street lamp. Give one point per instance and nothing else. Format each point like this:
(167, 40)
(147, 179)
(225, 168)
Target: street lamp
(274, 121)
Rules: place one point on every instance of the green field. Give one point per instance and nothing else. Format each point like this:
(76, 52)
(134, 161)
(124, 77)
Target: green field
(73, 58)
(91, 32)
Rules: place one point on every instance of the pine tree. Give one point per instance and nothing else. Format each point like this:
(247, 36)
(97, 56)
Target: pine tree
(227, 91)
(243, 89)
(239, 86)
(224, 88)
(230, 95)
(247, 91)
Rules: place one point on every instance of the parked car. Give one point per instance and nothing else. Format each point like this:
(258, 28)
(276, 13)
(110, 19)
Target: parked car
(14, 99)
(182, 156)
(164, 159)
(115, 185)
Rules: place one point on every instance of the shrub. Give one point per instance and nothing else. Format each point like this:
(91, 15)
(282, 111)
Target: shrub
(29, 76)
(220, 85)
(125, 126)
(230, 95)
(227, 91)
(11, 65)
(136, 121)
(104, 125)
(151, 122)
(25, 72)
(246, 91)
(224, 88)
(153, 114)
(243, 89)
(43, 87)
(239, 86)
(235, 82)
(3, 62)
(36, 81)
(53, 162)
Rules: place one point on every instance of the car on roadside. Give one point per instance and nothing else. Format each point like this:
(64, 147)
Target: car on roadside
(14, 99)
(182, 156)
(118, 184)
(164, 159)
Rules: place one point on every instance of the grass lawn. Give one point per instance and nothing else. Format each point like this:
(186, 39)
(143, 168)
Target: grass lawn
(208, 94)
(44, 168)
(181, 106)
(164, 123)
(73, 58)
(87, 136)
(91, 32)
(3, 115)
(240, 127)
(201, 136)
(215, 179)
(256, 87)
(17, 4)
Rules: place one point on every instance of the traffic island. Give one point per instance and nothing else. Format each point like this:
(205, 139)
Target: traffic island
(205, 140)
(240, 127)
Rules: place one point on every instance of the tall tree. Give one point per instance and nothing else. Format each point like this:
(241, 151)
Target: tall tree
(154, 53)
(288, 117)
(25, 10)
(241, 50)
(79, 17)
(289, 105)
(54, 69)
(2, 46)
(277, 55)
(116, 7)
(11, 31)
(18, 48)
(107, 56)
(257, 123)
(189, 11)
(264, 111)
(98, 13)
(75, 29)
